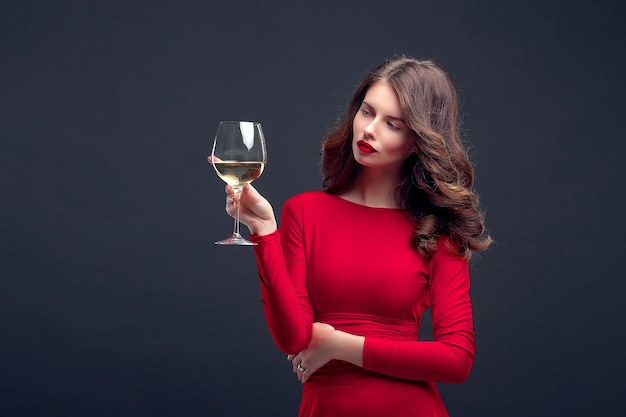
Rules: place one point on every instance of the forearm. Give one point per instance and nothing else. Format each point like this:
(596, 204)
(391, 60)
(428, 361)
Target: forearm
(414, 360)
(436, 361)
(286, 320)
(286, 307)
(348, 348)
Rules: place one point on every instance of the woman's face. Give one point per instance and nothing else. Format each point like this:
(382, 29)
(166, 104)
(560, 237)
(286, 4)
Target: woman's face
(380, 138)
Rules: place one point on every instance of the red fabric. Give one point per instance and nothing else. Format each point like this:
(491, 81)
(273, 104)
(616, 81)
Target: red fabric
(352, 266)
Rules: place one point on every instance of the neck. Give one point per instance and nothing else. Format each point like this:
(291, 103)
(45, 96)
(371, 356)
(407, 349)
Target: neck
(373, 190)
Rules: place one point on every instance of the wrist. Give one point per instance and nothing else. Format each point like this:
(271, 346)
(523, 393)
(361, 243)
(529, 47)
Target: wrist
(263, 229)
(347, 347)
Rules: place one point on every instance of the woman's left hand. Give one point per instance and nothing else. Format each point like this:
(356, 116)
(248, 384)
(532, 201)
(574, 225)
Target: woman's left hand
(317, 354)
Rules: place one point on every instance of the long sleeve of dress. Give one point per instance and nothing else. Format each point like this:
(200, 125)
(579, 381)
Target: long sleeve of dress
(284, 294)
(450, 356)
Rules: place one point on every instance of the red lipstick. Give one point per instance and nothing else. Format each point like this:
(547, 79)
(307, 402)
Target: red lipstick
(365, 147)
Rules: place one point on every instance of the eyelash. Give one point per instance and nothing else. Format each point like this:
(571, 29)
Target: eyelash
(366, 112)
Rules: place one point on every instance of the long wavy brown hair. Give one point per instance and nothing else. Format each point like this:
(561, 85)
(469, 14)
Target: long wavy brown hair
(438, 180)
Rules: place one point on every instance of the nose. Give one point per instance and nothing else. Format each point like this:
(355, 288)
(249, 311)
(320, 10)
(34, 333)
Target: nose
(369, 128)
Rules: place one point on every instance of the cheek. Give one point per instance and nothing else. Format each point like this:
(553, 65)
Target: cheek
(401, 145)
(402, 149)
(357, 125)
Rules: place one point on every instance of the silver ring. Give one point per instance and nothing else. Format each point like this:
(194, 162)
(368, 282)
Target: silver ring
(301, 369)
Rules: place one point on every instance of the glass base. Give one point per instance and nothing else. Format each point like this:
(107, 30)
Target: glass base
(235, 240)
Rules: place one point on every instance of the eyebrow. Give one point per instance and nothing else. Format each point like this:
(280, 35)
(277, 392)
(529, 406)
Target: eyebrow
(398, 119)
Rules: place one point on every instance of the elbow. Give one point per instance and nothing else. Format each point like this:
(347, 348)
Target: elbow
(288, 337)
(460, 376)
(461, 371)
(458, 365)
(290, 347)
(291, 343)
(460, 358)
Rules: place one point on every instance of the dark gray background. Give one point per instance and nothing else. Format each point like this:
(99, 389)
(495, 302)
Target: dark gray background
(114, 300)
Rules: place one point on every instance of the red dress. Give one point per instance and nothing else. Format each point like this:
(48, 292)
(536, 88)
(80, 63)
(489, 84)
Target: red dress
(352, 266)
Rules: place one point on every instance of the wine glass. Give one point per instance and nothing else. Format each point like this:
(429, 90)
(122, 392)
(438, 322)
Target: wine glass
(239, 157)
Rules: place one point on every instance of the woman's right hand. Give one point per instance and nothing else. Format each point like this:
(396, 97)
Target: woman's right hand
(254, 210)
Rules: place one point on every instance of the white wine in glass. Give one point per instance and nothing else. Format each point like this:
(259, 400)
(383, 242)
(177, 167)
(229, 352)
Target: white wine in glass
(239, 157)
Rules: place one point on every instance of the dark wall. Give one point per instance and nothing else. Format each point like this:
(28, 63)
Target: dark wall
(113, 298)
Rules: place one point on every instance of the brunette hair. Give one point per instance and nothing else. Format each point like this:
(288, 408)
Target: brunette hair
(438, 180)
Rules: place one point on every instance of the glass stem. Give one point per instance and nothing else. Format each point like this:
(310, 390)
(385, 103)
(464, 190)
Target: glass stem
(236, 225)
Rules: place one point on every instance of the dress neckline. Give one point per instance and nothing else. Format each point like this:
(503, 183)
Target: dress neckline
(352, 203)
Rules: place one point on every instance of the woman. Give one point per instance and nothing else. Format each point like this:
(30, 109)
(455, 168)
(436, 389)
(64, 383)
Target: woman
(346, 280)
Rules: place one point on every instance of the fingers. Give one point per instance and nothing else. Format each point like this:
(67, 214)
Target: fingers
(244, 190)
(247, 194)
(232, 199)
(230, 192)
(250, 194)
(254, 210)
(304, 372)
(295, 361)
(299, 367)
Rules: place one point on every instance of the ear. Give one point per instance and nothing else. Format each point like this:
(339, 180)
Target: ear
(412, 150)
(414, 142)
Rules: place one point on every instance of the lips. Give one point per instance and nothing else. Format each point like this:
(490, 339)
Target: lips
(365, 147)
